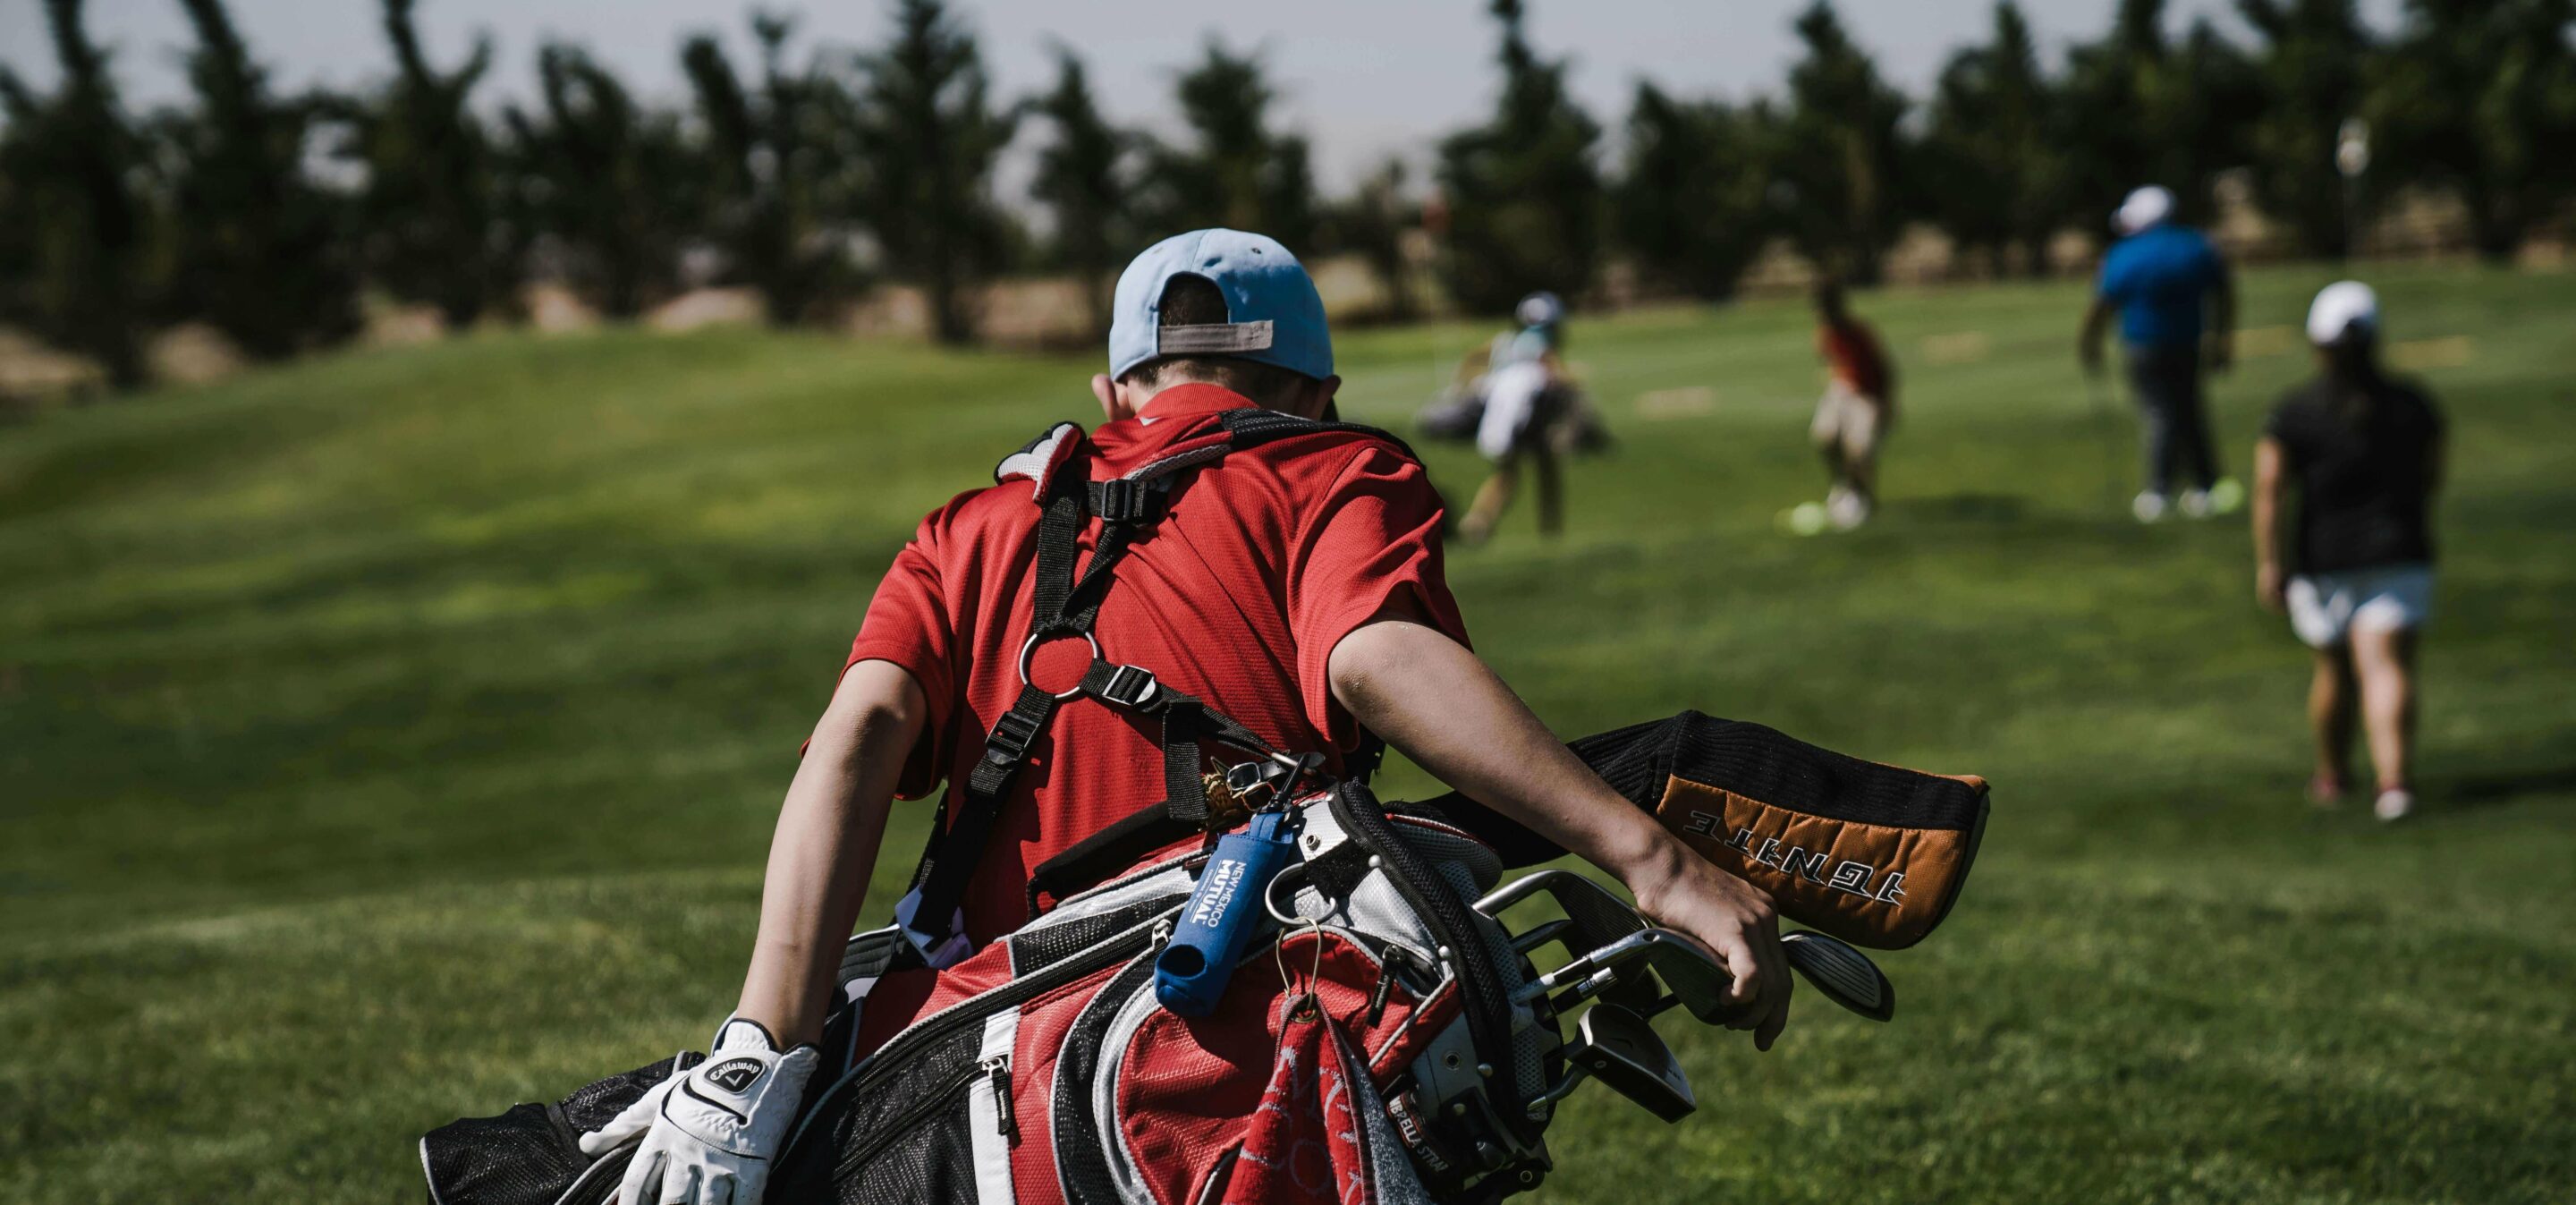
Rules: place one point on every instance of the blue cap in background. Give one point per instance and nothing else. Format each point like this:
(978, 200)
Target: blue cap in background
(1274, 315)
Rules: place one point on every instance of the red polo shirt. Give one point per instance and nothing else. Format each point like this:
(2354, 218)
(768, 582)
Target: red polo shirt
(1264, 562)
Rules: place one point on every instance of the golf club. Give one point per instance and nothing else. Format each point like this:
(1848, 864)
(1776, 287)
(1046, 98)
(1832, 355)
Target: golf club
(1621, 1050)
(1845, 975)
(1594, 919)
(2105, 421)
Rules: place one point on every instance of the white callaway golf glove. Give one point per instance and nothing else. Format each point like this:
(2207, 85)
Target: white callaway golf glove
(709, 1135)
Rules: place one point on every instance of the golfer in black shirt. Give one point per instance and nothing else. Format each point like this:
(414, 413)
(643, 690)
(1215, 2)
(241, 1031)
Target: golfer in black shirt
(2363, 454)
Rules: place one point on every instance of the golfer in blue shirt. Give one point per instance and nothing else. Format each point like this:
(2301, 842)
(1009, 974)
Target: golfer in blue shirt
(2173, 294)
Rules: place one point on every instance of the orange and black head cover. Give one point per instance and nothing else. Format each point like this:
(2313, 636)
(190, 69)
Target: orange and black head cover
(1870, 853)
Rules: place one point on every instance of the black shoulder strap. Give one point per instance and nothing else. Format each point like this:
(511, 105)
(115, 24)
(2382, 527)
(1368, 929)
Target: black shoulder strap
(1251, 427)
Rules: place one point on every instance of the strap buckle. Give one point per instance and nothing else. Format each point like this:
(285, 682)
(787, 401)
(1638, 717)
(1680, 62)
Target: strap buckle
(1126, 500)
(1008, 743)
(1129, 686)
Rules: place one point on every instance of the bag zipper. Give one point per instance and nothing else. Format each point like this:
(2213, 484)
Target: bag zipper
(998, 1070)
(973, 1010)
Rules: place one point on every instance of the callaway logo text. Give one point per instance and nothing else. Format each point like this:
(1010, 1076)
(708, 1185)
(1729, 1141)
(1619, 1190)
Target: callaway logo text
(735, 1076)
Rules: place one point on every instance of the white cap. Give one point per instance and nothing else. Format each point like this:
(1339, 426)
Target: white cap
(2343, 309)
(2145, 207)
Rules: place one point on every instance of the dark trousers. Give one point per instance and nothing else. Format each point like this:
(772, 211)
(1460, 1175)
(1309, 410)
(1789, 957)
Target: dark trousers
(2167, 382)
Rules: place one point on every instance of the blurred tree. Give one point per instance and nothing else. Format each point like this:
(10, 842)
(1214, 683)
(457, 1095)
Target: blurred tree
(603, 180)
(2311, 69)
(777, 174)
(1689, 202)
(2137, 109)
(1236, 170)
(1372, 223)
(1842, 151)
(1522, 195)
(930, 136)
(2480, 96)
(1083, 181)
(73, 223)
(1992, 176)
(433, 228)
(256, 247)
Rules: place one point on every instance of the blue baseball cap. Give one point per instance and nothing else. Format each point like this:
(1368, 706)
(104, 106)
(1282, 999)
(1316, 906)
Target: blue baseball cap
(1273, 313)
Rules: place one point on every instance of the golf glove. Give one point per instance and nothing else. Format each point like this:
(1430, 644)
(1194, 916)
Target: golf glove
(709, 1134)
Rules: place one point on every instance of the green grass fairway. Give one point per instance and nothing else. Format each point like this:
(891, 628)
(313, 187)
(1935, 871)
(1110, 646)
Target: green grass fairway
(396, 736)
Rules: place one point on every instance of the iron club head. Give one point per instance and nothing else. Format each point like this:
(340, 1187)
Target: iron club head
(1845, 975)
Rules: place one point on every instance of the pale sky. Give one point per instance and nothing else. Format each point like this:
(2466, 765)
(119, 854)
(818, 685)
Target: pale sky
(1363, 78)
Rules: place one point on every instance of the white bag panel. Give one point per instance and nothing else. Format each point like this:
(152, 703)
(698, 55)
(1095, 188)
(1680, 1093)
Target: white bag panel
(984, 1115)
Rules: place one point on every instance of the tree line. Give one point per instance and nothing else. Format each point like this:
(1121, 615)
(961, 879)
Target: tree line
(813, 173)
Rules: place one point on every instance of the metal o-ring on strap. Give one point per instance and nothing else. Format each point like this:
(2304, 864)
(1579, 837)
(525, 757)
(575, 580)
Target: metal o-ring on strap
(1029, 648)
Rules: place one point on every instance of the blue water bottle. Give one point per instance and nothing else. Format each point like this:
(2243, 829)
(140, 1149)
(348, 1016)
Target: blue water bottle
(1223, 914)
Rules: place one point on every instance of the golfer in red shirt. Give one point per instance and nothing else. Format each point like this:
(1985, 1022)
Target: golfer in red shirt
(1295, 586)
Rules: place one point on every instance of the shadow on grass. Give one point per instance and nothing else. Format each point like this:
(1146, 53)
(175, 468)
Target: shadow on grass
(2488, 790)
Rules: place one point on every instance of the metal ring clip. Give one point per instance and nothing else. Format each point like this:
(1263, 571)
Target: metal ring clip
(1030, 647)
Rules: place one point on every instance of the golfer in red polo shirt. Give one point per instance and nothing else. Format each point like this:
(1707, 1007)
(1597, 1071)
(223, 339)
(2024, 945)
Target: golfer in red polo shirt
(1296, 585)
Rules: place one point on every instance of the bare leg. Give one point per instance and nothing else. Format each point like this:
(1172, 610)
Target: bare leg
(2384, 660)
(2331, 712)
(1826, 433)
(1551, 493)
(1492, 499)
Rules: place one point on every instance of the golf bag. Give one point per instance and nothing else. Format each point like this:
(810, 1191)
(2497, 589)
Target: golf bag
(1385, 1037)
(1042, 1068)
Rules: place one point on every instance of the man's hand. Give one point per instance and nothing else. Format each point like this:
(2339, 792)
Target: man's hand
(710, 1135)
(1680, 890)
(2267, 587)
(1437, 704)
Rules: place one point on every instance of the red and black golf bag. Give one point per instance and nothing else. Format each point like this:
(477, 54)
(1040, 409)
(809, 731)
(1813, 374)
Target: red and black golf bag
(1389, 1038)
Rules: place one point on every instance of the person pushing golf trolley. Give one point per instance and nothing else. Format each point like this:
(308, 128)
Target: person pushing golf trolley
(2177, 307)
(1227, 601)
(1516, 400)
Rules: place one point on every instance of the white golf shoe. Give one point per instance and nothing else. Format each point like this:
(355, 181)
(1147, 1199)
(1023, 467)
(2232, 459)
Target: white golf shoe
(1847, 508)
(2395, 803)
(2149, 507)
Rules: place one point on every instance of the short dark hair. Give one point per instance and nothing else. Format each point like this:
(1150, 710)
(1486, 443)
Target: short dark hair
(1193, 300)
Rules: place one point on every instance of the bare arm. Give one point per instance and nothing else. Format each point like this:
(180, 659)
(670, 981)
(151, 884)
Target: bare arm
(2088, 343)
(2267, 523)
(826, 845)
(1438, 704)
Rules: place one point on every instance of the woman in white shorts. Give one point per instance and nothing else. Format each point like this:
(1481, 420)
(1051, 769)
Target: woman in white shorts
(2363, 454)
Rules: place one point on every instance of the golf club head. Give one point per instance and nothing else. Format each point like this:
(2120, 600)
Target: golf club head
(1618, 1048)
(1845, 975)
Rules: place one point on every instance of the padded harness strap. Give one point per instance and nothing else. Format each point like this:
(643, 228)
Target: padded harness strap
(1066, 606)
